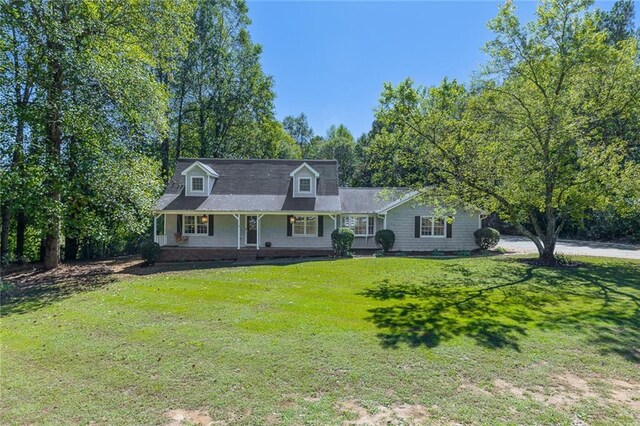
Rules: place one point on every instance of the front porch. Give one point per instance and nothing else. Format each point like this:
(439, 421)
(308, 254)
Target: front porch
(195, 254)
(245, 231)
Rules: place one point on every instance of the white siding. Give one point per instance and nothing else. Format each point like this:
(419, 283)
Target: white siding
(273, 228)
(402, 221)
(306, 173)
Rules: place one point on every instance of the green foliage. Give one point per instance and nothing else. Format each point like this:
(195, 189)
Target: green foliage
(340, 145)
(437, 253)
(342, 241)
(385, 238)
(486, 238)
(222, 99)
(531, 139)
(463, 253)
(150, 252)
(299, 129)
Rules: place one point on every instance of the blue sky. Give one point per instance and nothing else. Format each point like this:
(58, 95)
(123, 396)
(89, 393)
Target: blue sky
(329, 59)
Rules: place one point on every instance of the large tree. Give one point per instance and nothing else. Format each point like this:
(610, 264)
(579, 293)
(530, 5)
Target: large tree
(299, 128)
(530, 139)
(339, 145)
(95, 74)
(221, 96)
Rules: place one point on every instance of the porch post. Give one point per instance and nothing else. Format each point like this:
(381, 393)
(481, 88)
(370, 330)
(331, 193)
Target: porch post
(155, 227)
(237, 216)
(258, 217)
(384, 222)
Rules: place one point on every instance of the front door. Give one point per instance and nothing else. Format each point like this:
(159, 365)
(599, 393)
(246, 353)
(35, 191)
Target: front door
(252, 230)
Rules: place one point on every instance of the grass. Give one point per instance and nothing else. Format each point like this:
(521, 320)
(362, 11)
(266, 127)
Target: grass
(469, 340)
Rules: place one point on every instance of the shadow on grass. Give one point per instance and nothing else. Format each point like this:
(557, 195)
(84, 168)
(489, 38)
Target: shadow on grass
(500, 305)
(34, 289)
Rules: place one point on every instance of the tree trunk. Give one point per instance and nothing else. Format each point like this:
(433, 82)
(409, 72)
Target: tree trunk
(165, 158)
(54, 144)
(21, 226)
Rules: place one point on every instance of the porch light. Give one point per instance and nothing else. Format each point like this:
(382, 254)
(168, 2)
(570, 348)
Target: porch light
(205, 218)
(292, 219)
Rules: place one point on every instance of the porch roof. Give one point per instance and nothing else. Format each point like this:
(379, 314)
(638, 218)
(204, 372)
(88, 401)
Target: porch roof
(248, 203)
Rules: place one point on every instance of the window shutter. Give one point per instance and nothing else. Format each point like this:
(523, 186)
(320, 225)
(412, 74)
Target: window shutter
(450, 227)
(211, 225)
(320, 226)
(179, 224)
(289, 226)
(417, 227)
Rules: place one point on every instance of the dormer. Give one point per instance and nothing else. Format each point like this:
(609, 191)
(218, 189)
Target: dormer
(199, 180)
(305, 181)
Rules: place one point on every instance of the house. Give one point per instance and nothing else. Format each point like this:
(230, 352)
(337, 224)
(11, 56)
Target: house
(217, 208)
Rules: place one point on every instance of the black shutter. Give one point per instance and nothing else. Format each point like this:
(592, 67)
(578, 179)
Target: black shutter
(450, 227)
(417, 227)
(211, 225)
(179, 224)
(289, 226)
(320, 226)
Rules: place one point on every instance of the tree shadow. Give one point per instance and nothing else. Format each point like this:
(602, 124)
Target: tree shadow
(498, 307)
(34, 289)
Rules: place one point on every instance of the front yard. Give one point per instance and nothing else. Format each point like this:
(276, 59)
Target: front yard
(362, 341)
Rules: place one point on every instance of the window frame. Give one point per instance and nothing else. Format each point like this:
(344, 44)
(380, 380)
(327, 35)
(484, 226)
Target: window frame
(300, 179)
(195, 225)
(433, 227)
(191, 187)
(369, 219)
(306, 234)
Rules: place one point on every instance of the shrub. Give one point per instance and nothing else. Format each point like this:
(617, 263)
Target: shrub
(378, 253)
(342, 241)
(385, 238)
(463, 253)
(487, 238)
(150, 252)
(437, 253)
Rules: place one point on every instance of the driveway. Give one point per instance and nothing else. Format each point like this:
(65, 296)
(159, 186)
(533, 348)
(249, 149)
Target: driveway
(574, 247)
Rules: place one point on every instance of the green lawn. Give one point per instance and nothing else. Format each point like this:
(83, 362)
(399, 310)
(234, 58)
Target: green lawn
(471, 340)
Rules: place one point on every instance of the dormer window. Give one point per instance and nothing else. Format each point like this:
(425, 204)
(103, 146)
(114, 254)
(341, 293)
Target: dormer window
(199, 179)
(197, 183)
(305, 181)
(304, 185)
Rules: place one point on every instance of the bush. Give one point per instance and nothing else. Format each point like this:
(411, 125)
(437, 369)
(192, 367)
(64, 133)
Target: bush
(385, 238)
(150, 252)
(487, 238)
(342, 241)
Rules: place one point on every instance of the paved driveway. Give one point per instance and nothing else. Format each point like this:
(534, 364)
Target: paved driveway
(574, 247)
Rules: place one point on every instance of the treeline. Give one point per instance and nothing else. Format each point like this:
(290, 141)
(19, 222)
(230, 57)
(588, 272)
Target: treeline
(98, 99)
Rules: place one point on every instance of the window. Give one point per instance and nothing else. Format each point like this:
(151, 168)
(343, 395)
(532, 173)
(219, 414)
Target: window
(196, 225)
(305, 226)
(197, 183)
(304, 185)
(362, 226)
(432, 226)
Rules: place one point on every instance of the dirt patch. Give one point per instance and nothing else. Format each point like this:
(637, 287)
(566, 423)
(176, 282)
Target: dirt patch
(569, 389)
(188, 417)
(404, 414)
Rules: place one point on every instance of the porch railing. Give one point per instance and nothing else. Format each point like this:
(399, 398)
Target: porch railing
(161, 240)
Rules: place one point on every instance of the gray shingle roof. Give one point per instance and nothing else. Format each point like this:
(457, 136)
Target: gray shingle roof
(254, 186)
(369, 200)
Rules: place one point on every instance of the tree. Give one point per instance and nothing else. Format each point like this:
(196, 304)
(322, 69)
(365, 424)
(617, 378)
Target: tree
(94, 75)
(221, 94)
(529, 140)
(337, 145)
(619, 21)
(299, 129)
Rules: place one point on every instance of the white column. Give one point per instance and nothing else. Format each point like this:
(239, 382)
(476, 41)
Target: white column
(258, 217)
(155, 227)
(237, 216)
(384, 223)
